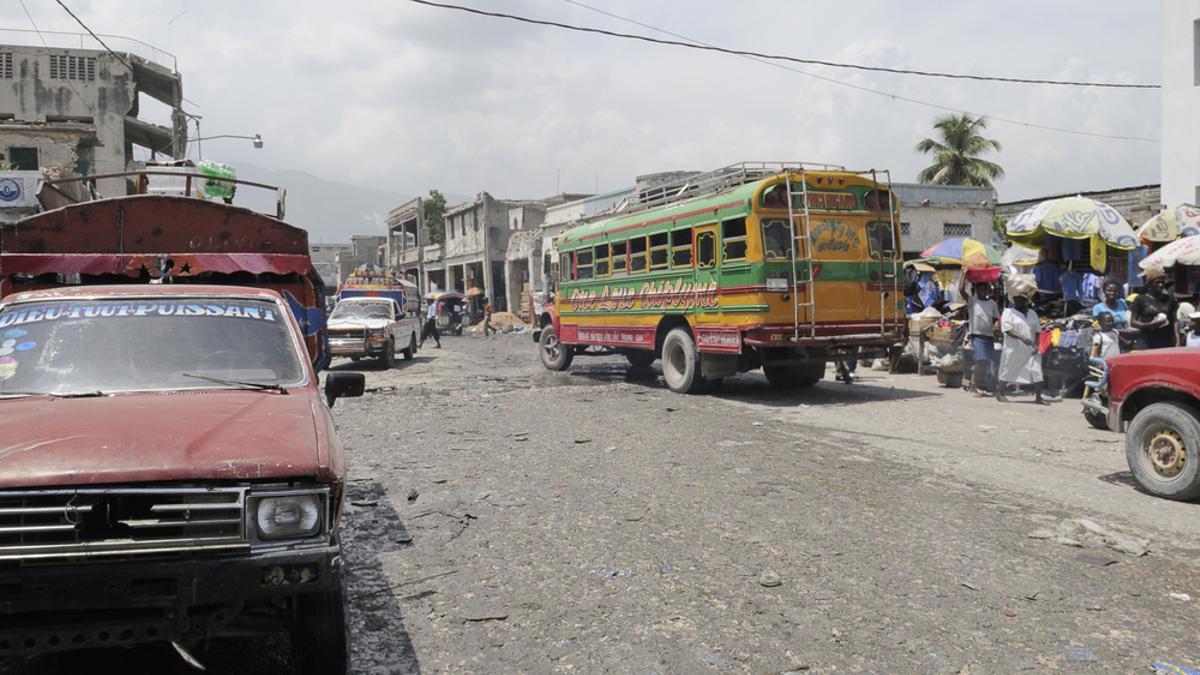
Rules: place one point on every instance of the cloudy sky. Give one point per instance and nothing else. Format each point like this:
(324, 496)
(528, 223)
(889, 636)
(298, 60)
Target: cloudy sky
(403, 97)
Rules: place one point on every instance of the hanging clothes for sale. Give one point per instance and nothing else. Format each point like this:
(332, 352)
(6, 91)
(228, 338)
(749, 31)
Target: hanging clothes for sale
(1072, 285)
(1046, 273)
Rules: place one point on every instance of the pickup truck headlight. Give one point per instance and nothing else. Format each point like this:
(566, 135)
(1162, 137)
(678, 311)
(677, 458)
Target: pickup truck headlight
(288, 517)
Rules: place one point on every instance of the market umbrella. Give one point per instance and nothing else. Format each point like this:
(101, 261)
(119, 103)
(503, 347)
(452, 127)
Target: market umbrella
(1184, 251)
(1182, 221)
(474, 291)
(1071, 218)
(968, 253)
(1019, 256)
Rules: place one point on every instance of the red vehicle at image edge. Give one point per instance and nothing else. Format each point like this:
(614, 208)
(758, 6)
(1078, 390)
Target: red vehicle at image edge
(169, 471)
(1154, 397)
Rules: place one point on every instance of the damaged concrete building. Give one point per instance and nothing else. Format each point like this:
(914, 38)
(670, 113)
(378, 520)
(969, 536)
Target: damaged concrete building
(406, 239)
(70, 112)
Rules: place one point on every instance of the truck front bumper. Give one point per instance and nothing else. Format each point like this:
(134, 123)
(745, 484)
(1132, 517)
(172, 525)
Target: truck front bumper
(48, 608)
(356, 346)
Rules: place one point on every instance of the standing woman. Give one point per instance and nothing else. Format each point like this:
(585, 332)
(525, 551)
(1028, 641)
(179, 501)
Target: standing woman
(1113, 304)
(1153, 313)
(1020, 361)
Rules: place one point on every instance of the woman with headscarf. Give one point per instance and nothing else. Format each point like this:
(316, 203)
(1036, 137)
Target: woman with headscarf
(1153, 313)
(1020, 360)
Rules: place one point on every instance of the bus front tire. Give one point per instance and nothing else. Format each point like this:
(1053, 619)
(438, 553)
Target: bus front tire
(555, 355)
(681, 362)
(790, 377)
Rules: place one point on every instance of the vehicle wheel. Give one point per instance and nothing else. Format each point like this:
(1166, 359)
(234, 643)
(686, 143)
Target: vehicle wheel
(790, 377)
(388, 358)
(555, 355)
(411, 349)
(1163, 451)
(681, 362)
(320, 638)
(1097, 420)
(639, 358)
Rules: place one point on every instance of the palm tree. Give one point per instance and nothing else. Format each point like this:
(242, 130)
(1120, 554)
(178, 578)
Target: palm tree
(956, 155)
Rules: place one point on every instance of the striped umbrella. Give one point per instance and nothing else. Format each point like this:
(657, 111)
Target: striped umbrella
(968, 253)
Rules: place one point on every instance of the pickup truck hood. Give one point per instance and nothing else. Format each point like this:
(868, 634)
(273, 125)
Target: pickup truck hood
(359, 323)
(196, 435)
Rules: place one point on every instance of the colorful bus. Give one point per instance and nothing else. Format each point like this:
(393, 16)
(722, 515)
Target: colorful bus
(779, 267)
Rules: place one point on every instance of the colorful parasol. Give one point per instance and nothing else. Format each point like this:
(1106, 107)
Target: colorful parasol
(1184, 251)
(1071, 218)
(474, 291)
(968, 253)
(1182, 221)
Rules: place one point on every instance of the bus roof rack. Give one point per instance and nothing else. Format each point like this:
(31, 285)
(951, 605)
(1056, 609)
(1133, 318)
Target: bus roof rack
(680, 188)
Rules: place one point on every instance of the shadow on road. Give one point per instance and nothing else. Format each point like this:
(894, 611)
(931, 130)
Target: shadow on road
(373, 365)
(370, 529)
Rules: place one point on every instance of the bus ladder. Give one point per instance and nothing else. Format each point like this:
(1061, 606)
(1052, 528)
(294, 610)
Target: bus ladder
(896, 290)
(804, 309)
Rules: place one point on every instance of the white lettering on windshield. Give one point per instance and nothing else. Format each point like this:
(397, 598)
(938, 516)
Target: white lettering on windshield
(126, 310)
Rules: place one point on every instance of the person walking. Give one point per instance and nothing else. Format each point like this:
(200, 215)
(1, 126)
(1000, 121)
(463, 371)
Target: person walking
(430, 328)
(982, 314)
(488, 328)
(1153, 313)
(1020, 361)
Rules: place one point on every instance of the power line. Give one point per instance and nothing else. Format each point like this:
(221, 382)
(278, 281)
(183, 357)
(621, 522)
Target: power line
(94, 36)
(766, 61)
(695, 44)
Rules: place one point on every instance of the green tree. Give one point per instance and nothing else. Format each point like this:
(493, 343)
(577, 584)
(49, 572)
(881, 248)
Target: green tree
(956, 153)
(433, 213)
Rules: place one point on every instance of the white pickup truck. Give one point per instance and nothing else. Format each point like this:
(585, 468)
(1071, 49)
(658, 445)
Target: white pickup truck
(373, 326)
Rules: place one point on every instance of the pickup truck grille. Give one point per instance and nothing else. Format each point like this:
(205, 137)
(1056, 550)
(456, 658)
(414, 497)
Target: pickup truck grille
(347, 333)
(87, 522)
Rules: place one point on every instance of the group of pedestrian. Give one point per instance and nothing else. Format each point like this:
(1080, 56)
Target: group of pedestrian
(1153, 319)
(433, 308)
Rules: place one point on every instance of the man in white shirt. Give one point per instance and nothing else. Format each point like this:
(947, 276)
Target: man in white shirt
(430, 327)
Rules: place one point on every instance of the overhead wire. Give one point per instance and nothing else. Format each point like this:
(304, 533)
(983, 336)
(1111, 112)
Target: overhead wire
(773, 61)
(94, 36)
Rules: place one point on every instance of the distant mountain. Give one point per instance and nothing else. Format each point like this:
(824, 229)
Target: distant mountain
(330, 210)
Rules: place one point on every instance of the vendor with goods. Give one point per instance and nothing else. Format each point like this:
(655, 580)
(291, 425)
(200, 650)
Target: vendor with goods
(1020, 361)
(1153, 313)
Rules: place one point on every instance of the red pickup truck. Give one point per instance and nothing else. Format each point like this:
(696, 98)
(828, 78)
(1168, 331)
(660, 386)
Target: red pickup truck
(1154, 397)
(169, 472)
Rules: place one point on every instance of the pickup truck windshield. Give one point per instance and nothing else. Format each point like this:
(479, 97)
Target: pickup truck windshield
(70, 347)
(360, 310)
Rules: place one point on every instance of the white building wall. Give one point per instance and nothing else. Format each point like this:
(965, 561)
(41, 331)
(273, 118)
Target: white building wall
(1180, 102)
(924, 226)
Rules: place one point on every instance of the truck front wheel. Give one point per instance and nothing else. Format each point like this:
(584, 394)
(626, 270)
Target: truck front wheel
(388, 358)
(1162, 447)
(320, 638)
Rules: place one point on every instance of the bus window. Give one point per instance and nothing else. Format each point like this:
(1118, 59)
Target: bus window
(600, 264)
(583, 263)
(706, 249)
(733, 240)
(619, 258)
(681, 248)
(637, 254)
(776, 240)
(882, 240)
(660, 251)
(566, 267)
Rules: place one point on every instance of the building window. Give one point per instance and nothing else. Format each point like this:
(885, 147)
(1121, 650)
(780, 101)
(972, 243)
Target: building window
(514, 223)
(905, 229)
(23, 159)
(67, 67)
(6, 65)
(956, 230)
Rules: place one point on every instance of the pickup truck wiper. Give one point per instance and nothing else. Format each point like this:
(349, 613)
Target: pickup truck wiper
(244, 385)
(73, 394)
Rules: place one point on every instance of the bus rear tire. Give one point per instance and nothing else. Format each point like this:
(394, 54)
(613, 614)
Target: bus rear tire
(790, 377)
(681, 362)
(555, 355)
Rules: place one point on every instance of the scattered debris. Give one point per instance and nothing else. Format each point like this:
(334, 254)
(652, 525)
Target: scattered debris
(757, 424)
(769, 578)
(412, 495)
(365, 503)
(1127, 545)
(1041, 534)
(1080, 655)
(1096, 560)
(1067, 541)
(581, 441)
(1010, 613)
(971, 585)
(404, 537)
(1182, 597)
(483, 609)
(1166, 666)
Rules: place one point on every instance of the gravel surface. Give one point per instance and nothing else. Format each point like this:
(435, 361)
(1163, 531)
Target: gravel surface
(503, 518)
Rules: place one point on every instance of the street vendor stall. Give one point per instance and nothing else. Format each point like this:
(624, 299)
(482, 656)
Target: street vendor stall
(1182, 259)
